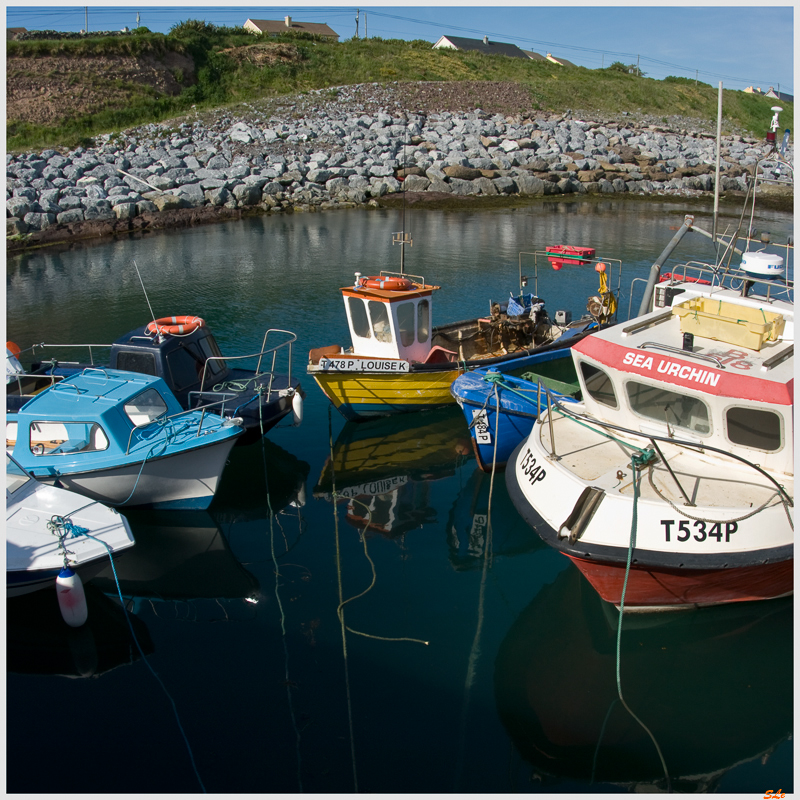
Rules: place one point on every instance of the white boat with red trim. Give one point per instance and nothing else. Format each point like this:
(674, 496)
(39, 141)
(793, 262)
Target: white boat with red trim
(671, 482)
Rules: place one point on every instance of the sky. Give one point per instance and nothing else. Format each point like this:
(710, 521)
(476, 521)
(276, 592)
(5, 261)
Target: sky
(738, 45)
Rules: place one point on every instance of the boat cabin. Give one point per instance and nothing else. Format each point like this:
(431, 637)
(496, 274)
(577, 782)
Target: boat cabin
(714, 368)
(96, 411)
(179, 360)
(389, 317)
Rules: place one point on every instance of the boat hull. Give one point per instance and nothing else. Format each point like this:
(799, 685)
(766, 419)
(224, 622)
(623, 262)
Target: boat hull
(184, 480)
(652, 587)
(742, 560)
(360, 396)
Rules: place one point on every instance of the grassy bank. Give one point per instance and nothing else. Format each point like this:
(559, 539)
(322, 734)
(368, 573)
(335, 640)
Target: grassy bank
(232, 66)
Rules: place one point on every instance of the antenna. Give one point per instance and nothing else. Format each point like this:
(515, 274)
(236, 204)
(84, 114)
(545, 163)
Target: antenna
(402, 238)
(145, 293)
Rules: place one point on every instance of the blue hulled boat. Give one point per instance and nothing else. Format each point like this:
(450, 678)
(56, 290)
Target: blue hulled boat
(500, 408)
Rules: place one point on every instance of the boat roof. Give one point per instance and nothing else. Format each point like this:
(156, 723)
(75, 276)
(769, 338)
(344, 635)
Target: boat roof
(732, 352)
(93, 391)
(389, 294)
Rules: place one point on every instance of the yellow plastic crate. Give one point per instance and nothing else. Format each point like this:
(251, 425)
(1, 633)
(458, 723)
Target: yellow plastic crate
(728, 322)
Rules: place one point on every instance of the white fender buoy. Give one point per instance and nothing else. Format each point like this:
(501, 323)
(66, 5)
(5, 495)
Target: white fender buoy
(71, 598)
(297, 409)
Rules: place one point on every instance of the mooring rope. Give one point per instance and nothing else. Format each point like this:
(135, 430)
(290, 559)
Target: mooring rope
(635, 460)
(287, 682)
(147, 663)
(339, 611)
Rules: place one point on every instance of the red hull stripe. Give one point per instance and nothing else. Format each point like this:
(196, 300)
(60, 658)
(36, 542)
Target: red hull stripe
(651, 586)
(697, 375)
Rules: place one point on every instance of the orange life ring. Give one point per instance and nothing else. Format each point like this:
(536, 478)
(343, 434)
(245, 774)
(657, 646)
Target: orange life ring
(175, 325)
(386, 283)
(13, 348)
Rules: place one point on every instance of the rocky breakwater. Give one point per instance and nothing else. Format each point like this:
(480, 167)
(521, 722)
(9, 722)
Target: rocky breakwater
(339, 156)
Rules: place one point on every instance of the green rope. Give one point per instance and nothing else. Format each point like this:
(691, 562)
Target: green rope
(636, 460)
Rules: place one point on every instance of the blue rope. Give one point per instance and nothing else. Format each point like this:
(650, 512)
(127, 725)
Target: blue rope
(144, 657)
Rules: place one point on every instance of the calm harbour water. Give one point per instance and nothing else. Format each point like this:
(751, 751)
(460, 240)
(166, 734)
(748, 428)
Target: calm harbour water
(416, 636)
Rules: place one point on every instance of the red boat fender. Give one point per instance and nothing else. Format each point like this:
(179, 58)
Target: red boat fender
(388, 284)
(175, 325)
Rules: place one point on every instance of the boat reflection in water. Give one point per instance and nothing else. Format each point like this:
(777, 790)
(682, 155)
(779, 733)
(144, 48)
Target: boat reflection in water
(179, 560)
(385, 468)
(39, 642)
(468, 523)
(713, 685)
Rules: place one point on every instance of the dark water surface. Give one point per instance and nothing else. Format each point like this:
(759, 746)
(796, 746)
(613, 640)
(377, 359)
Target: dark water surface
(416, 636)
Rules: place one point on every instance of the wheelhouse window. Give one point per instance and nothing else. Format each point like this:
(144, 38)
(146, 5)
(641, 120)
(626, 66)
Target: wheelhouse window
(137, 362)
(63, 438)
(405, 323)
(145, 407)
(381, 327)
(187, 363)
(598, 385)
(752, 427)
(210, 349)
(358, 317)
(423, 321)
(674, 409)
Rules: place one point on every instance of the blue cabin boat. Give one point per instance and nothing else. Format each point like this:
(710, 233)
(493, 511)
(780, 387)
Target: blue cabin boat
(122, 438)
(501, 408)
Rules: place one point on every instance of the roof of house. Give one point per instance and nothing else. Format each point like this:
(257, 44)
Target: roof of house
(534, 56)
(482, 46)
(559, 60)
(11, 33)
(281, 26)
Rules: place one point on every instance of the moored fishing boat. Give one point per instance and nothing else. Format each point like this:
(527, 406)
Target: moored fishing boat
(671, 482)
(501, 408)
(123, 439)
(183, 351)
(398, 362)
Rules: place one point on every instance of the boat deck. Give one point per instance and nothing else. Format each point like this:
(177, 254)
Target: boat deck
(709, 481)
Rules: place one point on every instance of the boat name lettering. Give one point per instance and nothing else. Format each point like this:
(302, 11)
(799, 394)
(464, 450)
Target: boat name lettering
(363, 365)
(533, 472)
(703, 531)
(770, 795)
(673, 368)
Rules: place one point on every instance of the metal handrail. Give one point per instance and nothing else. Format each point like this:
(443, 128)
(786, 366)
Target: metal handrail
(260, 355)
(681, 352)
(90, 346)
(163, 420)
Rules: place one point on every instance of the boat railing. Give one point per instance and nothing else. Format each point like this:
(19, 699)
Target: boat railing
(164, 420)
(284, 347)
(543, 257)
(414, 278)
(555, 403)
(91, 348)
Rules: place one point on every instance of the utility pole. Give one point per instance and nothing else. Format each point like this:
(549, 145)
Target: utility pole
(638, 71)
(696, 74)
(367, 37)
(356, 23)
(137, 19)
(86, 12)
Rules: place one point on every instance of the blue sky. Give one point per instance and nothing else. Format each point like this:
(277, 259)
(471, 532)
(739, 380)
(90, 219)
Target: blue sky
(738, 45)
